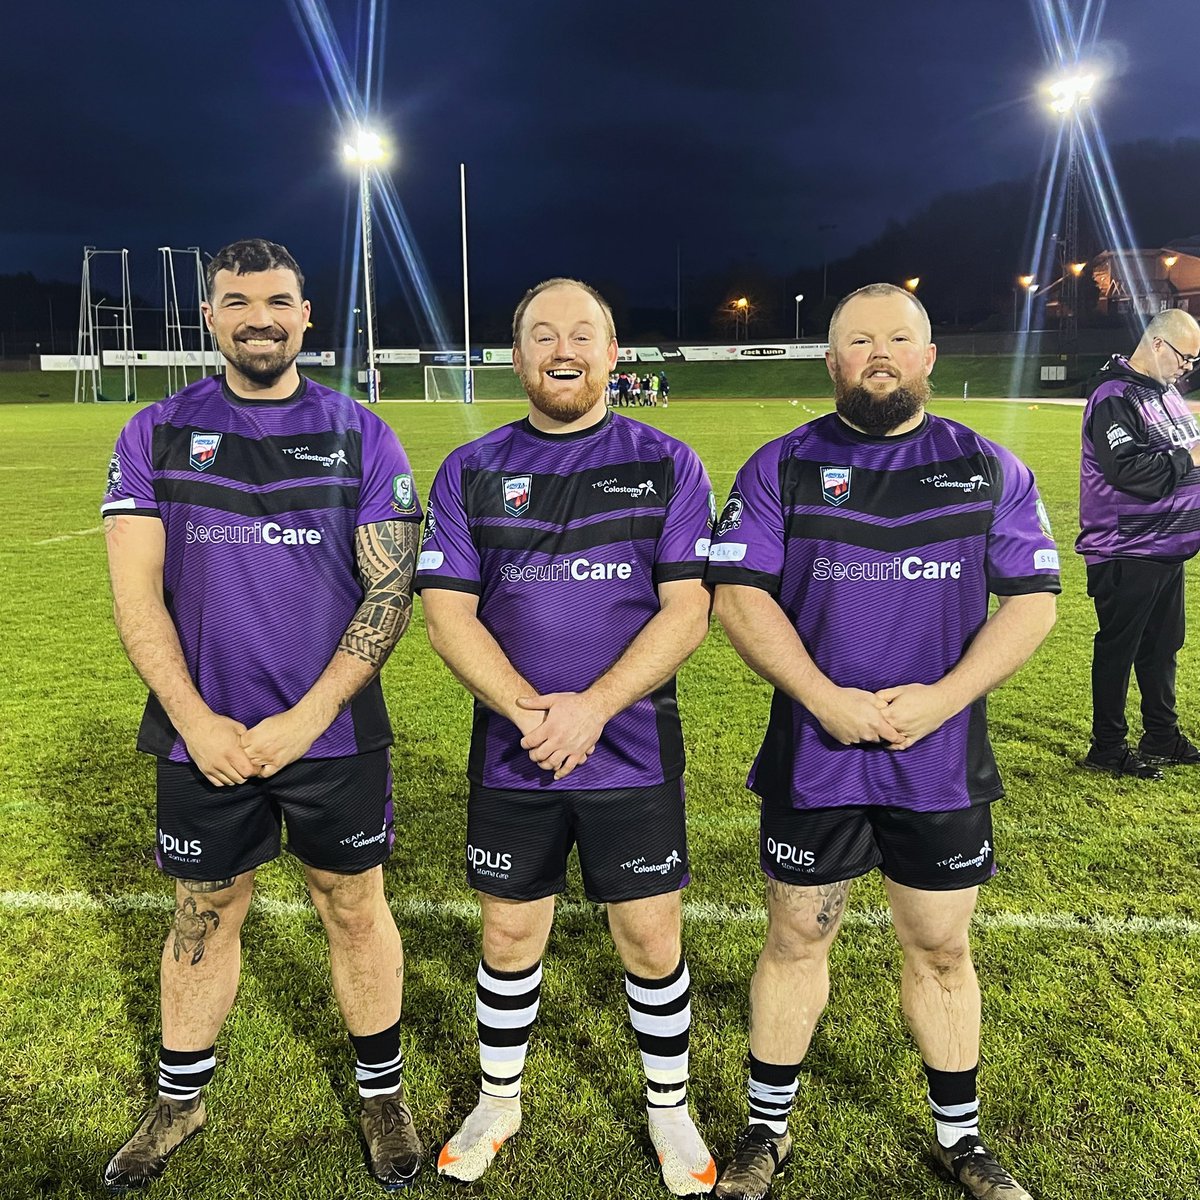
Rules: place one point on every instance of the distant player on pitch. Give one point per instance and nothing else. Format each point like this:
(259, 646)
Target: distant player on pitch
(262, 534)
(561, 576)
(852, 566)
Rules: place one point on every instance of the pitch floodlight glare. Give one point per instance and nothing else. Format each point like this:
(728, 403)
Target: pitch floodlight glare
(1071, 91)
(367, 149)
(1077, 268)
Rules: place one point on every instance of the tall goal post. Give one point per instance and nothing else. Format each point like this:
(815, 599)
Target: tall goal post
(454, 385)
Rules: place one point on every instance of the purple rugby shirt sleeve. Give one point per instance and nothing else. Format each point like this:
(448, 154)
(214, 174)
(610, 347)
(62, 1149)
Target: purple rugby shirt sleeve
(1021, 554)
(130, 487)
(449, 558)
(682, 550)
(748, 536)
(387, 492)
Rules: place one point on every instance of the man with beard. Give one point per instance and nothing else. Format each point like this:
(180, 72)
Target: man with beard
(561, 575)
(262, 534)
(852, 567)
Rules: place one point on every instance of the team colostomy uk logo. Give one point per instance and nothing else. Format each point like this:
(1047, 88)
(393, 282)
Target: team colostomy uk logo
(639, 866)
(612, 487)
(516, 491)
(304, 454)
(204, 450)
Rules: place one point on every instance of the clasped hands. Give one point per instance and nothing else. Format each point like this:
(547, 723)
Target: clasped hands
(227, 752)
(896, 717)
(560, 729)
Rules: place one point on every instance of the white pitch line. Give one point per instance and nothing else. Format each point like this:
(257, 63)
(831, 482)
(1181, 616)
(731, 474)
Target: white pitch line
(703, 911)
(66, 537)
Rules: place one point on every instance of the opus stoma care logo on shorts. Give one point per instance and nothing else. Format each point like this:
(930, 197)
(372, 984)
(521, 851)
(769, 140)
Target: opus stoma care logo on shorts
(261, 533)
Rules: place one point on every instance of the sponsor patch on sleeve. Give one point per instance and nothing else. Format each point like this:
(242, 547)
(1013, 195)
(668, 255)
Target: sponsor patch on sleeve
(1045, 560)
(114, 475)
(430, 560)
(1117, 435)
(702, 548)
(727, 552)
(404, 495)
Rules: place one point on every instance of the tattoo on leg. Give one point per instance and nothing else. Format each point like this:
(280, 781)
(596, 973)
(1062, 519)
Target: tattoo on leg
(833, 904)
(199, 886)
(191, 927)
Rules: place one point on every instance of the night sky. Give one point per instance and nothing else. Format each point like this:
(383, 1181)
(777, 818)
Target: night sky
(597, 137)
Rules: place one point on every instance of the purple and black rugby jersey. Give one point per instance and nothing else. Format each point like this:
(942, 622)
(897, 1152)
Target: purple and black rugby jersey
(564, 539)
(882, 552)
(260, 501)
(1139, 491)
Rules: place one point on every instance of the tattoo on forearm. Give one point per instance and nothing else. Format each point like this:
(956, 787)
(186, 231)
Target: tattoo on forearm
(191, 928)
(199, 886)
(386, 554)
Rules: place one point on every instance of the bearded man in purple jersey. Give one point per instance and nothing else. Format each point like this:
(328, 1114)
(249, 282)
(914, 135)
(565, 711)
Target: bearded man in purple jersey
(561, 576)
(1139, 512)
(262, 534)
(852, 566)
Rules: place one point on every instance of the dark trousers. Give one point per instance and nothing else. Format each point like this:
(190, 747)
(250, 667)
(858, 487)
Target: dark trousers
(1139, 608)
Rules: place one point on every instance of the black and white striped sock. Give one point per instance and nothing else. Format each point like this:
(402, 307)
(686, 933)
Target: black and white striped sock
(182, 1073)
(506, 1005)
(954, 1102)
(660, 1011)
(772, 1092)
(380, 1065)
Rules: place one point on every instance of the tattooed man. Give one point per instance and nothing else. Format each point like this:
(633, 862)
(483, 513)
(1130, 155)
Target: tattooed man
(261, 536)
(852, 564)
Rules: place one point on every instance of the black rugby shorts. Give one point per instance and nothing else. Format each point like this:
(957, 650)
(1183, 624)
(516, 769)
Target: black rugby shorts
(632, 841)
(338, 813)
(929, 851)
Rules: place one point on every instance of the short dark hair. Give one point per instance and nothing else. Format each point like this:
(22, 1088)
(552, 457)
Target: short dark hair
(560, 281)
(249, 255)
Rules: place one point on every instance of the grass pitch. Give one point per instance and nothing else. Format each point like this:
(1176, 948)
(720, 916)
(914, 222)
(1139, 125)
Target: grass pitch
(1086, 942)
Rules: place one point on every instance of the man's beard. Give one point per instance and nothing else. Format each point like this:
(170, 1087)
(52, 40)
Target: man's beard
(558, 407)
(262, 369)
(879, 414)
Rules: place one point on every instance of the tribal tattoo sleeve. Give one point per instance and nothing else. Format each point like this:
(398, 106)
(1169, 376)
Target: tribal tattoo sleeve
(386, 552)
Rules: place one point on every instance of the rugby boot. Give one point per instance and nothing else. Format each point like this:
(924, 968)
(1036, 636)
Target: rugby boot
(687, 1166)
(488, 1126)
(160, 1132)
(1119, 762)
(394, 1151)
(970, 1163)
(758, 1156)
(1177, 751)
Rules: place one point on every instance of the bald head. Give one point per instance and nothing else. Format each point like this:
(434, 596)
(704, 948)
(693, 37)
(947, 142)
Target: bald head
(879, 291)
(1169, 347)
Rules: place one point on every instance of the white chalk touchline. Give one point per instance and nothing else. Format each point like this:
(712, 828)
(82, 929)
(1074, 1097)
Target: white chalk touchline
(66, 537)
(700, 910)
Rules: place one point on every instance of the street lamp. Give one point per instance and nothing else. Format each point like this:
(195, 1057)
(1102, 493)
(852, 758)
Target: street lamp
(1029, 283)
(913, 283)
(741, 309)
(1169, 260)
(799, 297)
(367, 150)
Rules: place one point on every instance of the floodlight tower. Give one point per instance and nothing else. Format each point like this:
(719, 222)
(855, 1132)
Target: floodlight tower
(365, 151)
(1066, 96)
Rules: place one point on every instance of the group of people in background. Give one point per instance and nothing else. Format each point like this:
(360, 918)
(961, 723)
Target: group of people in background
(568, 565)
(628, 389)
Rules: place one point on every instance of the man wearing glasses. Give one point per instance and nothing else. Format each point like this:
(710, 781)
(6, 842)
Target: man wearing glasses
(1139, 512)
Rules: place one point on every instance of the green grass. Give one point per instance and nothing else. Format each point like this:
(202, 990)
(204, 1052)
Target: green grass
(984, 375)
(1091, 1059)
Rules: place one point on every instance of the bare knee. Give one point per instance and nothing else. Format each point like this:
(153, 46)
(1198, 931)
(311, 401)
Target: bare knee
(802, 921)
(207, 911)
(348, 905)
(514, 933)
(945, 960)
